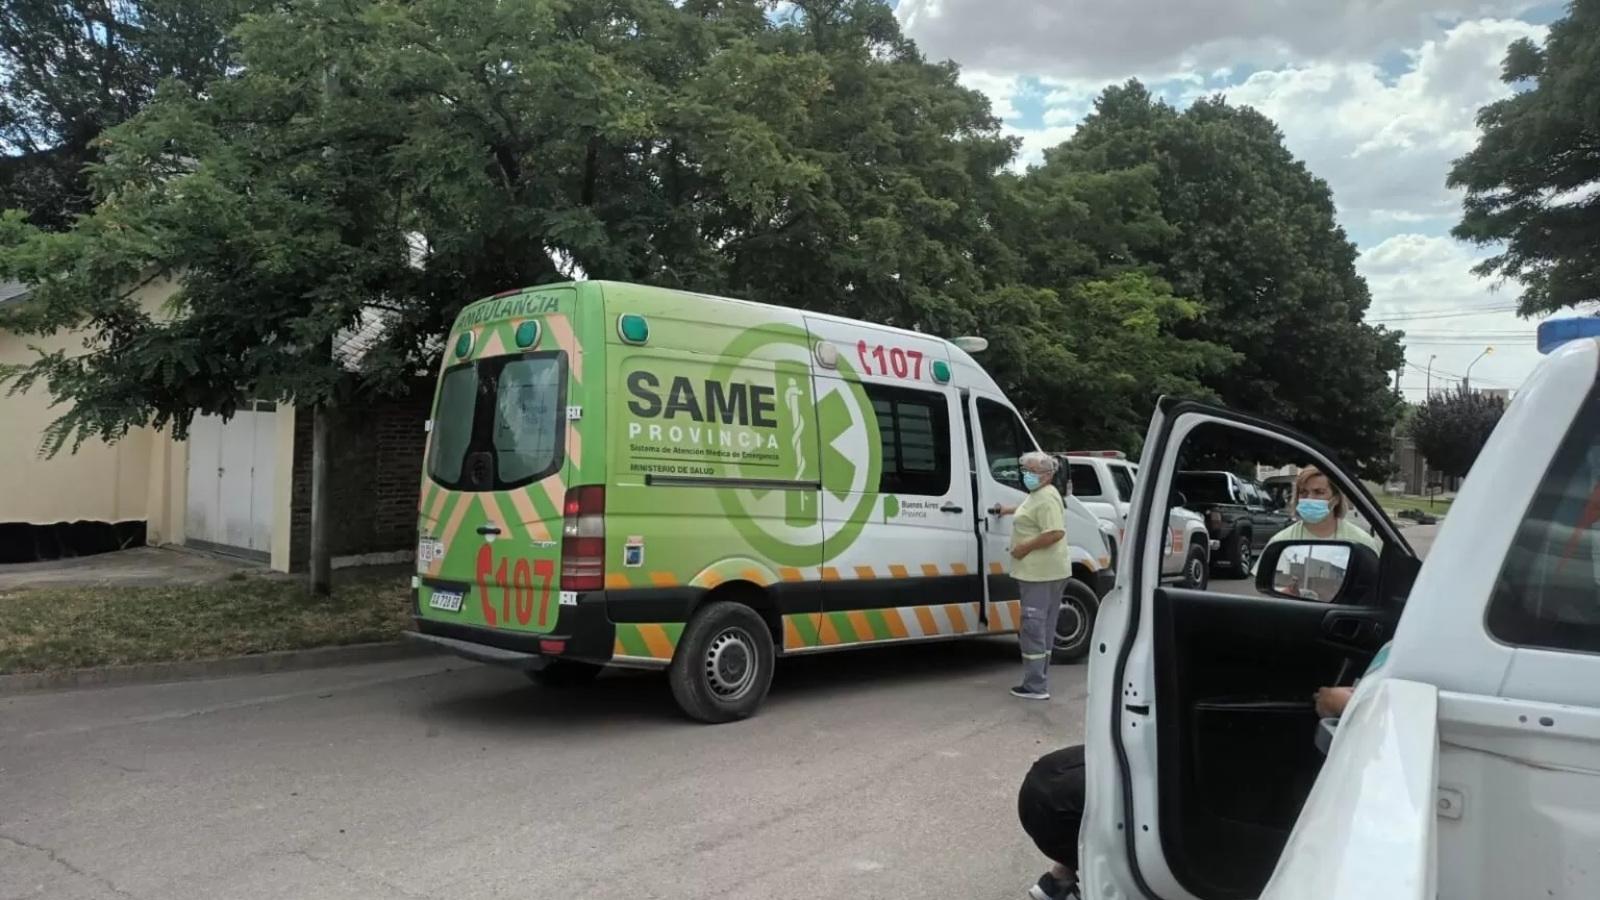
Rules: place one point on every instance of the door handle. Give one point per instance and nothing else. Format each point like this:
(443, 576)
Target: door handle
(995, 510)
(488, 529)
(950, 508)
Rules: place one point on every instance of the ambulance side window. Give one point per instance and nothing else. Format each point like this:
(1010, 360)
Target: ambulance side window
(1004, 442)
(914, 427)
(1548, 593)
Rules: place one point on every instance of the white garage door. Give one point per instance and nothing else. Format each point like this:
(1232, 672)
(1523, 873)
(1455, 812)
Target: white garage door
(232, 466)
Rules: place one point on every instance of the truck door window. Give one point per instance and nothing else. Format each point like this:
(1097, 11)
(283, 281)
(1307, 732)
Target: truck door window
(1004, 442)
(915, 430)
(1124, 480)
(1085, 481)
(1548, 592)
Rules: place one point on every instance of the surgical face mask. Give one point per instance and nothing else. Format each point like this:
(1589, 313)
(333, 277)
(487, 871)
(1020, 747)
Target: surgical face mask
(1032, 481)
(1312, 511)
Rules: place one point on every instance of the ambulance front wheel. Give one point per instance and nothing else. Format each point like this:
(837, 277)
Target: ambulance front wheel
(723, 664)
(1075, 627)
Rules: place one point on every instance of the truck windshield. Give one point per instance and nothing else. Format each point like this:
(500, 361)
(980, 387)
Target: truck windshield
(1205, 487)
(500, 422)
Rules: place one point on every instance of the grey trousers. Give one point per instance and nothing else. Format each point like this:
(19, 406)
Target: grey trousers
(1041, 607)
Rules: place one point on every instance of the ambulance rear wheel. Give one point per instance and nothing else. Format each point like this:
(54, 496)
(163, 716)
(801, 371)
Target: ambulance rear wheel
(1075, 626)
(723, 665)
(563, 673)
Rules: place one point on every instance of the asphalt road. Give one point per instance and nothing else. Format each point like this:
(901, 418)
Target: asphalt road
(873, 774)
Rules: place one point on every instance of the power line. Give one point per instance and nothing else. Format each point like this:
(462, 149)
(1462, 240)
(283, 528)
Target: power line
(1442, 314)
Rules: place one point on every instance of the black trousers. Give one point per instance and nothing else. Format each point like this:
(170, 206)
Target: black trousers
(1050, 804)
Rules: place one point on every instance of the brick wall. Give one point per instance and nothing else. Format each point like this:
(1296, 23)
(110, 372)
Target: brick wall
(375, 470)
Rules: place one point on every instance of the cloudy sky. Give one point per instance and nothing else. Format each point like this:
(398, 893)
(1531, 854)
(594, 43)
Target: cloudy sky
(1377, 96)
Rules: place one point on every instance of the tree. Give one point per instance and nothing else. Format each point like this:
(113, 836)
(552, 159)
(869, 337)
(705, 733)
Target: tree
(1248, 234)
(1531, 181)
(70, 70)
(392, 160)
(1451, 427)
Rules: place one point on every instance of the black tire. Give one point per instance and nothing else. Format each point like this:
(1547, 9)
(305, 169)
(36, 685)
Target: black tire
(723, 665)
(1242, 556)
(564, 673)
(1075, 627)
(1196, 570)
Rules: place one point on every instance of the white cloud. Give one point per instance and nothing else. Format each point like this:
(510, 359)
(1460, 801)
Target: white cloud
(1002, 90)
(1423, 285)
(1384, 145)
(1157, 38)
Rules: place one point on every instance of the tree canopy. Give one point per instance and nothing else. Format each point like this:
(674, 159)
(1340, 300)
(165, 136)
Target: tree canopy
(385, 162)
(1247, 234)
(1451, 427)
(1532, 180)
(70, 69)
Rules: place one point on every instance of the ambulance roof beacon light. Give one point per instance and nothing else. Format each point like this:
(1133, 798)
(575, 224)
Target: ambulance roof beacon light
(971, 344)
(941, 372)
(633, 329)
(463, 343)
(527, 335)
(1555, 332)
(827, 355)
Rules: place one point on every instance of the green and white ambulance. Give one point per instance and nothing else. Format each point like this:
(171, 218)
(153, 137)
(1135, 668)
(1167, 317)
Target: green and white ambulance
(630, 476)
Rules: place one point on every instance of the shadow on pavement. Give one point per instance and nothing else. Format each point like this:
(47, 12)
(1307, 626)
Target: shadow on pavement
(499, 698)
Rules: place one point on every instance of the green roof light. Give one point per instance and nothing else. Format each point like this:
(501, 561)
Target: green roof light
(464, 343)
(633, 329)
(527, 334)
(941, 371)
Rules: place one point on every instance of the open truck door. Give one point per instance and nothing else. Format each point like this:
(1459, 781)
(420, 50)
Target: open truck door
(1201, 729)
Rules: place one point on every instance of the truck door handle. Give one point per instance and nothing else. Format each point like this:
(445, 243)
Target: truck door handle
(950, 508)
(488, 529)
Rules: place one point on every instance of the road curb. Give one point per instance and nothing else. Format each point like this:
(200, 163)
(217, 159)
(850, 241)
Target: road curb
(187, 670)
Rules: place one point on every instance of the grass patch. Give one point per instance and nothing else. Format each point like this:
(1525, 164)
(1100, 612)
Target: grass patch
(68, 628)
(1393, 504)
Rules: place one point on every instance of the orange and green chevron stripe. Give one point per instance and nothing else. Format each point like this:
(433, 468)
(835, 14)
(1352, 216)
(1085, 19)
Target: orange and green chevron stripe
(808, 631)
(647, 640)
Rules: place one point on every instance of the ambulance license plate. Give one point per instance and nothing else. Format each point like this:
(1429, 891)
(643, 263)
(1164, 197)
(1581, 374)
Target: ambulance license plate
(449, 601)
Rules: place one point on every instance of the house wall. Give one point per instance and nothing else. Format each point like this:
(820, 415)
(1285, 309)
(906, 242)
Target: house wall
(97, 485)
(375, 469)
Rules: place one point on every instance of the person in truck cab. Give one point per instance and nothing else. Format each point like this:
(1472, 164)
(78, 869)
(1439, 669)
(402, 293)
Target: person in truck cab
(1320, 512)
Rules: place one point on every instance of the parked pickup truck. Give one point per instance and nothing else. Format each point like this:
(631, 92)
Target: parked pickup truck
(1239, 514)
(1455, 753)
(1104, 480)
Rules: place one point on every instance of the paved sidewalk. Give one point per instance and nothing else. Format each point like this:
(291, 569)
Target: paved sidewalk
(139, 567)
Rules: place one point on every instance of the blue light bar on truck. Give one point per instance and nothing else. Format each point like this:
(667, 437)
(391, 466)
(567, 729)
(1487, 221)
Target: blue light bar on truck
(1556, 332)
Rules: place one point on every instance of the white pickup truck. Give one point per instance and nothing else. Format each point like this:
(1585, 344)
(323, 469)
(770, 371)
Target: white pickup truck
(1467, 763)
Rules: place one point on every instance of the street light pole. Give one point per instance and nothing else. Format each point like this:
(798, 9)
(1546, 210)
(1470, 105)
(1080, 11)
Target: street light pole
(1430, 374)
(1466, 380)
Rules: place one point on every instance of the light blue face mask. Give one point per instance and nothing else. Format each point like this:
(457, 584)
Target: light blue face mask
(1312, 511)
(1031, 481)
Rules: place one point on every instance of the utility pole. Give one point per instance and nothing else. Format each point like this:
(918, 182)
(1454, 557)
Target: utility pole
(1466, 380)
(320, 574)
(1429, 392)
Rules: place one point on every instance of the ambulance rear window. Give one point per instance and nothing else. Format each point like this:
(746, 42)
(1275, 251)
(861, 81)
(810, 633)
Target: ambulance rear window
(500, 422)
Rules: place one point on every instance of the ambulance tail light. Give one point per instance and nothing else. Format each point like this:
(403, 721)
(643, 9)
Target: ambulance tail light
(583, 540)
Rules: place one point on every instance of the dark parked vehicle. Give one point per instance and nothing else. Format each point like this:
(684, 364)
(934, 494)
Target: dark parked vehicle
(1240, 514)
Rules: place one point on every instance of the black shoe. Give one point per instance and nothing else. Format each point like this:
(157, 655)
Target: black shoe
(1025, 694)
(1049, 887)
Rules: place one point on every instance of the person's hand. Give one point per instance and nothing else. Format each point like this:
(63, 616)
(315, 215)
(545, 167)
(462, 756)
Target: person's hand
(1018, 552)
(1331, 701)
(1000, 509)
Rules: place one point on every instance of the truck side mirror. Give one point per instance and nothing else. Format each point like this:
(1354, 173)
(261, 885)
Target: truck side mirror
(1322, 571)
